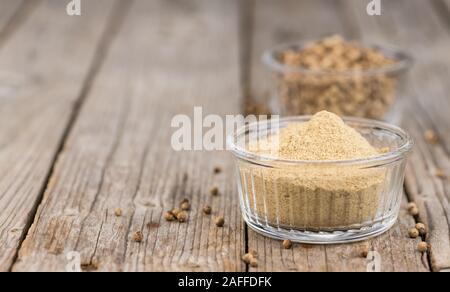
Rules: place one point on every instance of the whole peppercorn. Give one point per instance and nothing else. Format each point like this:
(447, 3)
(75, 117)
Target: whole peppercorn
(207, 210)
(421, 228)
(422, 247)
(254, 263)
(220, 221)
(182, 217)
(364, 251)
(169, 216)
(175, 211)
(217, 169)
(411, 205)
(440, 173)
(214, 191)
(246, 258)
(414, 211)
(118, 212)
(431, 137)
(185, 206)
(287, 244)
(94, 265)
(138, 236)
(413, 233)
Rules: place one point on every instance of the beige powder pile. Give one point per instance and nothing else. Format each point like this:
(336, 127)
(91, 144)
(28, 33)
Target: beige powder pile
(314, 197)
(324, 137)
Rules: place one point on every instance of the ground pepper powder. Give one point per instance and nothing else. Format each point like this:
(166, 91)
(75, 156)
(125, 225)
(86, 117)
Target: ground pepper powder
(314, 197)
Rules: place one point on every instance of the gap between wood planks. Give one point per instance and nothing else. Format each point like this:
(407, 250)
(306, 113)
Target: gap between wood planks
(246, 13)
(115, 21)
(246, 19)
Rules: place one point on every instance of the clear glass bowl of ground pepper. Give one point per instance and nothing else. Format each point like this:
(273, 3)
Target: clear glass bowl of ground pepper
(320, 179)
(344, 77)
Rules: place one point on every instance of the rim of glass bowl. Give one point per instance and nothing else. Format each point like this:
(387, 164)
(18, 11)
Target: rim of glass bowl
(404, 61)
(379, 160)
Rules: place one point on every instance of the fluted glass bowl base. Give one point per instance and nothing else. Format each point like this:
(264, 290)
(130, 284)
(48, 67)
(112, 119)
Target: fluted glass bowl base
(321, 237)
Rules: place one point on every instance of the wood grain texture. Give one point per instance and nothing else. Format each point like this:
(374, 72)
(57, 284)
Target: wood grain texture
(446, 3)
(286, 21)
(9, 8)
(13, 13)
(43, 65)
(168, 57)
(426, 107)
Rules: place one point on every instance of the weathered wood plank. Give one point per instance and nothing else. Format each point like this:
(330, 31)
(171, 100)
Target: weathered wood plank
(446, 3)
(424, 31)
(12, 15)
(169, 57)
(8, 9)
(43, 66)
(285, 21)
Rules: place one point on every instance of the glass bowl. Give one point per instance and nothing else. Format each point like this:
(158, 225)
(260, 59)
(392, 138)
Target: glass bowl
(321, 202)
(368, 93)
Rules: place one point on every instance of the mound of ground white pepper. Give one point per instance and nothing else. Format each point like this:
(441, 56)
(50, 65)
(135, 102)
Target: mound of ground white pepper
(314, 197)
(354, 94)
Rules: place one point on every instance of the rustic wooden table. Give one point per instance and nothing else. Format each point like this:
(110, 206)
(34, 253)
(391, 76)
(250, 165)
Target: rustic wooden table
(85, 110)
